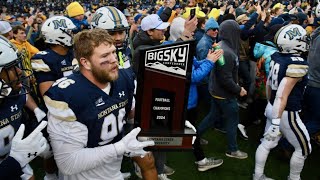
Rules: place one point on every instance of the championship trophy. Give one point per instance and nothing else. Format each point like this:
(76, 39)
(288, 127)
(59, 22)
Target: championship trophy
(164, 77)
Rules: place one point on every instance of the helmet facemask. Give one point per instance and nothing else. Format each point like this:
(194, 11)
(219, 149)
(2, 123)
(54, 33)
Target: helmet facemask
(12, 74)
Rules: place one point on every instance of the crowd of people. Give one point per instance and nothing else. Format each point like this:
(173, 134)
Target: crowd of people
(68, 74)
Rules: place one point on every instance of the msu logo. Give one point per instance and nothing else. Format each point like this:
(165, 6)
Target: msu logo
(293, 33)
(60, 23)
(95, 19)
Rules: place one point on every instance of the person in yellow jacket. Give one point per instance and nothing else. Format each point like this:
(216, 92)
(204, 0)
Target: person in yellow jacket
(27, 51)
(25, 48)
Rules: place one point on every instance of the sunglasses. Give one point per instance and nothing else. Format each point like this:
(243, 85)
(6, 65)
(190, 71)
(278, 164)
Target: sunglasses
(215, 29)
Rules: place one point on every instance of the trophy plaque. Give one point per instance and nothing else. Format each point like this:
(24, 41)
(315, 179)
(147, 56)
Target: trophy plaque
(162, 95)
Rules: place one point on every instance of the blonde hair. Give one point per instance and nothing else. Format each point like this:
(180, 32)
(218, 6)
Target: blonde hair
(86, 41)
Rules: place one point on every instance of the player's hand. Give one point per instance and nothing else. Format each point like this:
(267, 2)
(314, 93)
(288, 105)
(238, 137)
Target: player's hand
(25, 150)
(47, 153)
(130, 146)
(274, 130)
(39, 114)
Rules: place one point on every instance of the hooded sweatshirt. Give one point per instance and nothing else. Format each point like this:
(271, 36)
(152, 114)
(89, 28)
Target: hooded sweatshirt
(313, 60)
(140, 41)
(223, 79)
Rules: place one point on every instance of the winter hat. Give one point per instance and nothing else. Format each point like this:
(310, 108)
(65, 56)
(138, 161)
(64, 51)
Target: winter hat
(211, 24)
(275, 21)
(137, 17)
(74, 9)
(272, 32)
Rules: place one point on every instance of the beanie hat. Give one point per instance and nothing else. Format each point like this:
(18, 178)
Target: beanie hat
(211, 24)
(74, 9)
(137, 17)
(5, 27)
(275, 21)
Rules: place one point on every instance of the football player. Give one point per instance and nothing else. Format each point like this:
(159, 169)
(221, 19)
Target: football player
(58, 60)
(285, 85)
(87, 111)
(115, 22)
(55, 62)
(15, 152)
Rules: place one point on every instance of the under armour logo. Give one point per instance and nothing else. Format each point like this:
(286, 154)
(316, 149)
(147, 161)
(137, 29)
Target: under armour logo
(29, 154)
(63, 62)
(14, 108)
(121, 94)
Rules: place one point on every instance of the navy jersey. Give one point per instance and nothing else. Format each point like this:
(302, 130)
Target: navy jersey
(50, 66)
(288, 65)
(75, 98)
(10, 121)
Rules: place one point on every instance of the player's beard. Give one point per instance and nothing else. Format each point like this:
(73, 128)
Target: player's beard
(103, 76)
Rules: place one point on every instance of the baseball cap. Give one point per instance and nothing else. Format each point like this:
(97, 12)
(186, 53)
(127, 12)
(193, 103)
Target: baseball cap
(5, 27)
(153, 21)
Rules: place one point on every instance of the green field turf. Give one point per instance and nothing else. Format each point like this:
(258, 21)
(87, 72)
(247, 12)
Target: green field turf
(232, 169)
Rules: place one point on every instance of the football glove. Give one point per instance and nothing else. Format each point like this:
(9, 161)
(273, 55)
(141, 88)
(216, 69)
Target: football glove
(47, 153)
(130, 146)
(25, 150)
(273, 131)
(39, 114)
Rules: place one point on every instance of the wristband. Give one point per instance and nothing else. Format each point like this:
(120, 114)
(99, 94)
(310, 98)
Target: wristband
(276, 121)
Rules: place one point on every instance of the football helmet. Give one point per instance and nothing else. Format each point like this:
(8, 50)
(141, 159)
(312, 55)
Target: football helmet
(58, 30)
(109, 18)
(292, 39)
(317, 11)
(13, 76)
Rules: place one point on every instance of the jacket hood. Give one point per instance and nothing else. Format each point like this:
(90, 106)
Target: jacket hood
(315, 33)
(229, 33)
(264, 50)
(142, 38)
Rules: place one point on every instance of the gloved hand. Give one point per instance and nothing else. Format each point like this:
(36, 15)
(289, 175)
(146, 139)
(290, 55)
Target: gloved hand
(39, 114)
(273, 131)
(47, 153)
(130, 146)
(25, 150)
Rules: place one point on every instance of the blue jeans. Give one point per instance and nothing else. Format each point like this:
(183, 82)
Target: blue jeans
(230, 110)
(312, 113)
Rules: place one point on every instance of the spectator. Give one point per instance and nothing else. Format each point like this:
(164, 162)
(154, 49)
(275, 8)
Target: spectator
(76, 13)
(224, 88)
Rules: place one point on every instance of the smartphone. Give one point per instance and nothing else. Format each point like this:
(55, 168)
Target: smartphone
(309, 13)
(192, 13)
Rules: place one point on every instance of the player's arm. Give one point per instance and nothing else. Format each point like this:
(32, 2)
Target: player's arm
(32, 105)
(69, 142)
(283, 92)
(10, 169)
(44, 86)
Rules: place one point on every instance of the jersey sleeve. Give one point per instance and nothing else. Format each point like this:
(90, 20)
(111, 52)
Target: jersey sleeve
(10, 169)
(55, 101)
(297, 68)
(43, 70)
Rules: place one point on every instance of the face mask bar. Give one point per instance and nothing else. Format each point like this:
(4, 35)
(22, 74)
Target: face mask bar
(23, 76)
